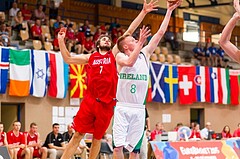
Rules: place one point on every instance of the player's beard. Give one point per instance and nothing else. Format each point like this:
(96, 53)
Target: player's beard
(104, 48)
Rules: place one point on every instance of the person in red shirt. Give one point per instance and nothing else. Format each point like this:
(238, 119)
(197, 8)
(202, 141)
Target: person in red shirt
(3, 136)
(26, 13)
(237, 131)
(88, 45)
(195, 132)
(16, 141)
(226, 132)
(37, 31)
(159, 129)
(98, 104)
(33, 142)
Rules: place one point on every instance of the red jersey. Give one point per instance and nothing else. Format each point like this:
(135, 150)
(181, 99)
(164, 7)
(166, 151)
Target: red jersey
(88, 44)
(2, 137)
(36, 29)
(15, 140)
(102, 76)
(195, 134)
(32, 139)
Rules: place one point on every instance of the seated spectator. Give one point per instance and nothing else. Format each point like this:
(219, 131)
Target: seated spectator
(81, 36)
(72, 43)
(97, 34)
(114, 24)
(213, 51)
(36, 31)
(44, 3)
(26, 13)
(13, 11)
(60, 25)
(4, 35)
(206, 132)
(17, 22)
(56, 25)
(237, 131)
(195, 134)
(226, 132)
(170, 37)
(3, 136)
(16, 141)
(105, 28)
(220, 57)
(85, 26)
(55, 43)
(39, 14)
(88, 45)
(178, 126)
(207, 54)
(199, 53)
(55, 143)
(159, 129)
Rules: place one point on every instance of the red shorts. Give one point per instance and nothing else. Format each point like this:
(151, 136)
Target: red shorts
(93, 117)
(36, 153)
(19, 154)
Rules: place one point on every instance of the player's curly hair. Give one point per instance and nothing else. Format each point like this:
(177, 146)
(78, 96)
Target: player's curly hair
(97, 44)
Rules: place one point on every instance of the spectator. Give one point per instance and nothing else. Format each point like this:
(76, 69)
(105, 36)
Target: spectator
(34, 144)
(220, 56)
(39, 14)
(44, 3)
(26, 13)
(55, 143)
(159, 129)
(17, 22)
(178, 126)
(36, 31)
(226, 132)
(170, 37)
(3, 136)
(88, 45)
(53, 10)
(81, 36)
(86, 27)
(114, 24)
(72, 43)
(16, 141)
(237, 131)
(4, 35)
(206, 132)
(55, 43)
(57, 23)
(199, 53)
(213, 51)
(207, 54)
(97, 34)
(195, 134)
(13, 11)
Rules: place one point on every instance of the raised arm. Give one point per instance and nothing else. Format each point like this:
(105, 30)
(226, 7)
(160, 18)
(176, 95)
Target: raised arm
(224, 41)
(161, 31)
(147, 7)
(81, 59)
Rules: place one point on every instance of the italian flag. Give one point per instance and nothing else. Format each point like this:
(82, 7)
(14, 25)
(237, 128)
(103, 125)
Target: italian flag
(19, 72)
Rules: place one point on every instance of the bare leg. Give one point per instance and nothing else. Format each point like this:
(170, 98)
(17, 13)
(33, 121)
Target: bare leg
(95, 148)
(133, 155)
(31, 152)
(72, 145)
(118, 153)
(43, 151)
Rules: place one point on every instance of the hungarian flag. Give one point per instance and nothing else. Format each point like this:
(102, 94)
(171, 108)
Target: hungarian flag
(19, 72)
(223, 86)
(187, 87)
(234, 86)
(59, 76)
(211, 84)
(4, 66)
(78, 77)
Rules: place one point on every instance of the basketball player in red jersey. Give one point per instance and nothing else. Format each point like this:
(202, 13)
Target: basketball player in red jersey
(16, 141)
(3, 136)
(224, 40)
(33, 143)
(96, 109)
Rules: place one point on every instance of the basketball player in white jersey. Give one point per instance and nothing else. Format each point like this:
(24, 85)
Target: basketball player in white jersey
(133, 69)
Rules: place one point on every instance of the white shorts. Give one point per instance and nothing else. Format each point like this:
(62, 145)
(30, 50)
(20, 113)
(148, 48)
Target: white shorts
(128, 125)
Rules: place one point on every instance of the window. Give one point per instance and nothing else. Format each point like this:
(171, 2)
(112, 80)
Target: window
(191, 31)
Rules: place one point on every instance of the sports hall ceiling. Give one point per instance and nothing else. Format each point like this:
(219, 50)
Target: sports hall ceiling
(205, 3)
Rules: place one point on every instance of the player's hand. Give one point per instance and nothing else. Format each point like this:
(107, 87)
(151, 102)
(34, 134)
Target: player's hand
(144, 34)
(236, 6)
(172, 6)
(151, 6)
(62, 34)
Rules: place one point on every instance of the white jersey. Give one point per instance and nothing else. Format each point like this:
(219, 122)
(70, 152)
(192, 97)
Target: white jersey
(133, 82)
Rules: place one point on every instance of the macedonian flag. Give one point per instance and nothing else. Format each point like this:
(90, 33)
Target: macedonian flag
(78, 76)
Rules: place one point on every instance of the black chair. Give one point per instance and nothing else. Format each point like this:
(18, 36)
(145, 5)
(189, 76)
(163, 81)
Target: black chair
(105, 151)
(4, 152)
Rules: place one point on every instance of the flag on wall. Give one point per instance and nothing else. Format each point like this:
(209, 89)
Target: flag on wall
(78, 77)
(4, 66)
(19, 72)
(39, 78)
(171, 83)
(157, 81)
(234, 86)
(187, 87)
(200, 82)
(59, 76)
(211, 84)
(224, 87)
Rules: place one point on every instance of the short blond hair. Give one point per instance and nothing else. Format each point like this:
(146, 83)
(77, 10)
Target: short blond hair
(120, 42)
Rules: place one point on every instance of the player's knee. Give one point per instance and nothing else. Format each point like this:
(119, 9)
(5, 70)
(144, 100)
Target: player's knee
(118, 149)
(77, 137)
(27, 150)
(44, 150)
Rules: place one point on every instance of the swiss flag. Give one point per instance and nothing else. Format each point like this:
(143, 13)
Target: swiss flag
(187, 87)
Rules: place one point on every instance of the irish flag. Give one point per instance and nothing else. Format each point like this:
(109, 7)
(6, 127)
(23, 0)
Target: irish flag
(19, 72)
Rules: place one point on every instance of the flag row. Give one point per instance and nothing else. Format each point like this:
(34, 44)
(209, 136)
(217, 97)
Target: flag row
(193, 84)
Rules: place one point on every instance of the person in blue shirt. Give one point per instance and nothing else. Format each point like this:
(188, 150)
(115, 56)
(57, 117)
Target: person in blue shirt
(220, 55)
(207, 54)
(199, 53)
(213, 51)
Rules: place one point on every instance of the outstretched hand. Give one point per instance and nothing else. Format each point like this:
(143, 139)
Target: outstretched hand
(62, 34)
(236, 6)
(172, 6)
(151, 6)
(144, 34)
